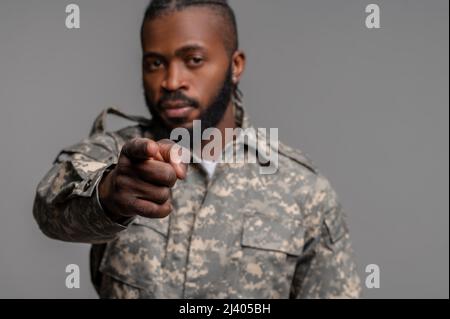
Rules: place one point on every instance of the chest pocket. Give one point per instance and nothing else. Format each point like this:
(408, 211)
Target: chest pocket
(275, 234)
(135, 258)
(270, 249)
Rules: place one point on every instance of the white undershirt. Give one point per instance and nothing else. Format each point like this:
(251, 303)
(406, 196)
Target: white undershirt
(209, 167)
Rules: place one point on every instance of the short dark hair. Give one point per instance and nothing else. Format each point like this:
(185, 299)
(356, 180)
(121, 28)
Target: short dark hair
(158, 8)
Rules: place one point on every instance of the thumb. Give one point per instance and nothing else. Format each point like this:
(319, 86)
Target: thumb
(140, 149)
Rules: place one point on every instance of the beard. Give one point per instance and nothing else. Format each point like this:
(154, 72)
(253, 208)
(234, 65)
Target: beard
(210, 117)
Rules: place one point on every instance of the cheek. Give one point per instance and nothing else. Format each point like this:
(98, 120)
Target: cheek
(207, 87)
(151, 85)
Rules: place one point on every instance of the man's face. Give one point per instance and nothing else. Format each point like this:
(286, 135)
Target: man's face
(187, 71)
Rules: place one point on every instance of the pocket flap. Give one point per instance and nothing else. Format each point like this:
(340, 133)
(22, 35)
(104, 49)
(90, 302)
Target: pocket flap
(159, 225)
(336, 225)
(276, 234)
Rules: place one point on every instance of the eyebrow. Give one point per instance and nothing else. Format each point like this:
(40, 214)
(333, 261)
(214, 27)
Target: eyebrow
(180, 52)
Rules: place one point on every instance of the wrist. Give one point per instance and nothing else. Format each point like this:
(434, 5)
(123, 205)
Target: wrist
(104, 196)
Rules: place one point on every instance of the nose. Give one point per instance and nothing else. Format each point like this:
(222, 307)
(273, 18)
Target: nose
(174, 80)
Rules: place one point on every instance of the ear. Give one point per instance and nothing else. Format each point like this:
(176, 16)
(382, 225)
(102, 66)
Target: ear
(238, 61)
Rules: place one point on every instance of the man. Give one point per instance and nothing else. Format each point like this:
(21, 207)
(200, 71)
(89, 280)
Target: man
(162, 229)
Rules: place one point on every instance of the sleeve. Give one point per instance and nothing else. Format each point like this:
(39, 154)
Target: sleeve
(66, 206)
(327, 269)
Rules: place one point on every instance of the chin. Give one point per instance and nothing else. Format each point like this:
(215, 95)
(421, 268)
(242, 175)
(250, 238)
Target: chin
(179, 123)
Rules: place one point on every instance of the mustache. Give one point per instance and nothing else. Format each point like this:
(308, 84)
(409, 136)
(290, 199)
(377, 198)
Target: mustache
(176, 96)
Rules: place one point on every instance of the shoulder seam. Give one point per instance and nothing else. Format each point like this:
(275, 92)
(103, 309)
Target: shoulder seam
(298, 156)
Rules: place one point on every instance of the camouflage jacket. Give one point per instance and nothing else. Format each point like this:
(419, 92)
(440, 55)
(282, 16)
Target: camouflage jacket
(239, 234)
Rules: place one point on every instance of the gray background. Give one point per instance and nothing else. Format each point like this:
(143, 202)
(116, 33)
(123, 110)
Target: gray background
(369, 106)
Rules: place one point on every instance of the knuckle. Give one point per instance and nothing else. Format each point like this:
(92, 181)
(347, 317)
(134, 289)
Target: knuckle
(163, 211)
(141, 146)
(136, 145)
(140, 209)
(123, 161)
(167, 210)
(170, 177)
(163, 195)
(127, 148)
(135, 141)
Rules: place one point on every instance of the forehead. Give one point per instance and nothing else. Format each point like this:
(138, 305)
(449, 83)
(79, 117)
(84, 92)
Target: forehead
(193, 25)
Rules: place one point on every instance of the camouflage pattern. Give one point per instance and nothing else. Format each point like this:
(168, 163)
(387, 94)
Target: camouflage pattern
(239, 234)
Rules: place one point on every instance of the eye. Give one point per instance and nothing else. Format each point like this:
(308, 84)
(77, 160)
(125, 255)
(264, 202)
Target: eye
(195, 61)
(154, 65)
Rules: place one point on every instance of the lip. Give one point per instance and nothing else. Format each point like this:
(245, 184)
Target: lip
(177, 111)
